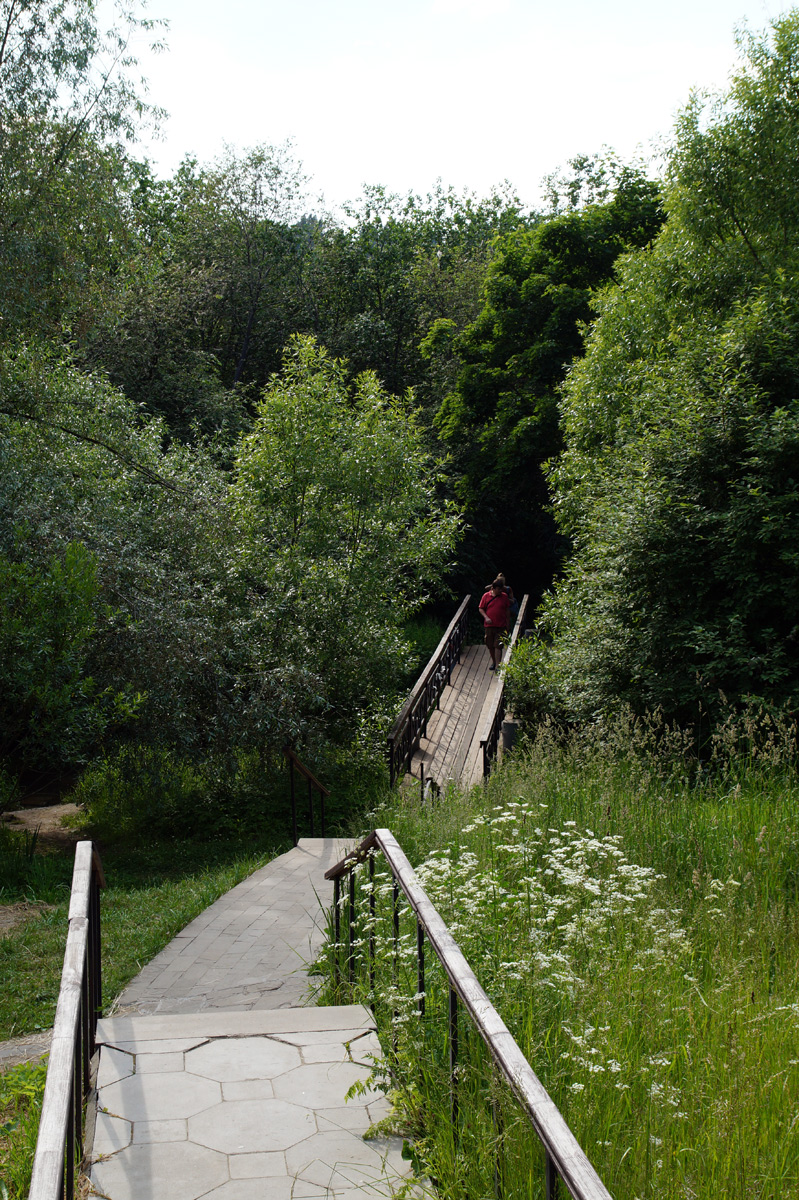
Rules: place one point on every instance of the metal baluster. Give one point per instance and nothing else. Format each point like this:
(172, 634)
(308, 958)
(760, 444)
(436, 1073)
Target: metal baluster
(311, 806)
(396, 963)
(453, 1059)
(293, 802)
(337, 927)
(496, 1116)
(86, 1021)
(351, 970)
(96, 961)
(552, 1178)
(372, 927)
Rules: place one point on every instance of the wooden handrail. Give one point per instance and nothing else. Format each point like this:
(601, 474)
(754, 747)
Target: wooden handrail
(77, 1012)
(411, 723)
(560, 1145)
(303, 770)
(492, 723)
(313, 783)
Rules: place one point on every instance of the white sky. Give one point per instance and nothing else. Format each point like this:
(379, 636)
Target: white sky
(402, 92)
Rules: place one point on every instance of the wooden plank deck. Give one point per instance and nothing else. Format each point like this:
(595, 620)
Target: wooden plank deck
(451, 750)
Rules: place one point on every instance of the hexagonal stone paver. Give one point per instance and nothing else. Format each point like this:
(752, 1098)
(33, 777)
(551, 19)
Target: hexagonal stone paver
(110, 1134)
(178, 1170)
(279, 1189)
(160, 1097)
(242, 1058)
(323, 1085)
(257, 1166)
(114, 1065)
(319, 1156)
(252, 1126)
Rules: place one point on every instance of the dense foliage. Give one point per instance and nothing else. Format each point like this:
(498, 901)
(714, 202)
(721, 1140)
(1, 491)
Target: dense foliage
(501, 421)
(234, 432)
(678, 483)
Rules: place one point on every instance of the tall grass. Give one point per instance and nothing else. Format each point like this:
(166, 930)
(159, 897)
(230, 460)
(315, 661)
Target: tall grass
(21, 1094)
(634, 916)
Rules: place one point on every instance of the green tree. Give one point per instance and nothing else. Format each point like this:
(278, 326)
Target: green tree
(51, 712)
(345, 534)
(501, 421)
(207, 296)
(67, 102)
(677, 483)
(403, 263)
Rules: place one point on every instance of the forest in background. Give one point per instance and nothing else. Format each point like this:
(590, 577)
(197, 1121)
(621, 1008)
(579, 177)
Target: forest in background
(243, 443)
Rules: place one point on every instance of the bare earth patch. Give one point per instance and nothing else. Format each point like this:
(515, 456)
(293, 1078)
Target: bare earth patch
(15, 914)
(48, 820)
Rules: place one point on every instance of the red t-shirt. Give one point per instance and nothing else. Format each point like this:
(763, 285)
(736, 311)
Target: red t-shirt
(496, 609)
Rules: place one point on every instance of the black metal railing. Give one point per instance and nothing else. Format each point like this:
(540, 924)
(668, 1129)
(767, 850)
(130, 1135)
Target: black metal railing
(563, 1157)
(411, 724)
(313, 786)
(492, 724)
(59, 1147)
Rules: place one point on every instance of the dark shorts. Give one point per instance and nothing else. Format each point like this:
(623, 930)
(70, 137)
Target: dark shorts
(492, 636)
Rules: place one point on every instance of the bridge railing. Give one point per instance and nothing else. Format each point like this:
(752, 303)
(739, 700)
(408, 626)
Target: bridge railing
(411, 724)
(59, 1146)
(563, 1157)
(492, 722)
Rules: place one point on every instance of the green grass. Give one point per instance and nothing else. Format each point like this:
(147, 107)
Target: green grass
(152, 893)
(21, 1093)
(636, 921)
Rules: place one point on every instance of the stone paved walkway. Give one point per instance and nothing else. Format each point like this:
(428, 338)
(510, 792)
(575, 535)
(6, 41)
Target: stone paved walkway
(252, 947)
(218, 1078)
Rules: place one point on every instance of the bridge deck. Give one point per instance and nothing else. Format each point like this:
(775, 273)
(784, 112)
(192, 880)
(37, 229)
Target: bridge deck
(451, 750)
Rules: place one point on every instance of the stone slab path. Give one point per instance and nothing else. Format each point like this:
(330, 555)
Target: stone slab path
(252, 947)
(218, 1078)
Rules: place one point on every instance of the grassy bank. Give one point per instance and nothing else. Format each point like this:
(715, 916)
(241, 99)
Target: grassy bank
(636, 922)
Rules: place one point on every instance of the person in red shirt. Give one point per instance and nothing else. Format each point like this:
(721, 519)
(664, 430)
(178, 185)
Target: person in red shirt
(494, 608)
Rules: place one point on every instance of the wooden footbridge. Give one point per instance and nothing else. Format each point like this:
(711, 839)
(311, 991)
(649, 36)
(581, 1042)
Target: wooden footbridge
(448, 730)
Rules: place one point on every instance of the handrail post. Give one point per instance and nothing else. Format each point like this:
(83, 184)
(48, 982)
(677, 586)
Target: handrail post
(351, 965)
(395, 898)
(293, 803)
(552, 1178)
(337, 927)
(372, 929)
(453, 1059)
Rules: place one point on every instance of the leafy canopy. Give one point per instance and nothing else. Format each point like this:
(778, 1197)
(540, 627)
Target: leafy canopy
(678, 481)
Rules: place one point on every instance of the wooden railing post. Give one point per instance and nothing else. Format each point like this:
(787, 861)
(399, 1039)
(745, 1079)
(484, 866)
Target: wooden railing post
(313, 785)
